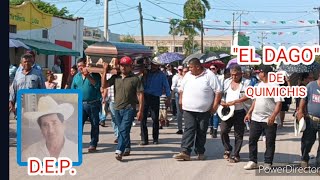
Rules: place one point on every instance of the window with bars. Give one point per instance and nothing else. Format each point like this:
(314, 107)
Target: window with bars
(45, 33)
(13, 28)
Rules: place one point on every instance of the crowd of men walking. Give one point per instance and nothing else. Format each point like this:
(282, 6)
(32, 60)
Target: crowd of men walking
(130, 89)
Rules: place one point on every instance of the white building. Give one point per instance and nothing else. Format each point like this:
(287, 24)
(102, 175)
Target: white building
(92, 34)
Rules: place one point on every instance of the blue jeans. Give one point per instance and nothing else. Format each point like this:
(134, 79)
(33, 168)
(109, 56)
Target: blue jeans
(113, 124)
(179, 111)
(91, 110)
(124, 119)
(214, 121)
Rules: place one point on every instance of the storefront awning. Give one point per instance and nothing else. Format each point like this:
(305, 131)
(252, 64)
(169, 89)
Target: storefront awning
(14, 43)
(49, 48)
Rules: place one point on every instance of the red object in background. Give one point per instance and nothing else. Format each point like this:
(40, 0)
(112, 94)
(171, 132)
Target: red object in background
(65, 61)
(218, 63)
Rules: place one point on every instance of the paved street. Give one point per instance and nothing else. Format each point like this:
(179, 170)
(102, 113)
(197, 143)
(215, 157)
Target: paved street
(156, 162)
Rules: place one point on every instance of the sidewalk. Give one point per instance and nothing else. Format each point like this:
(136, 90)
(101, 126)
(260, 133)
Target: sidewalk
(156, 162)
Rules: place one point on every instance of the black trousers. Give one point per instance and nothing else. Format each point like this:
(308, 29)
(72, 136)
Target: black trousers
(308, 139)
(196, 126)
(239, 126)
(151, 103)
(256, 129)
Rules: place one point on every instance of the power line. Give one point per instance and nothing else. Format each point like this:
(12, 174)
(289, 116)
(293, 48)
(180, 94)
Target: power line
(164, 8)
(223, 9)
(123, 17)
(121, 22)
(80, 8)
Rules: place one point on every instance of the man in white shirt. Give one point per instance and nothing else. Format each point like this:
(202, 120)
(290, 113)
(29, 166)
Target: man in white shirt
(263, 116)
(198, 105)
(176, 82)
(234, 95)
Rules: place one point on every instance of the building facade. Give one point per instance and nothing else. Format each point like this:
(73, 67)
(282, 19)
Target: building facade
(175, 44)
(93, 34)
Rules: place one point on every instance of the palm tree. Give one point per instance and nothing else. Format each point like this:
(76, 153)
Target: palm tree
(194, 11)
(174, 30)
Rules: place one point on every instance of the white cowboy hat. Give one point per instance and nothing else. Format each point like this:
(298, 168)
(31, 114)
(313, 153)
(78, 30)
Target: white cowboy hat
(47, 105)
(156, 61)
(225, 113)
(299, 126)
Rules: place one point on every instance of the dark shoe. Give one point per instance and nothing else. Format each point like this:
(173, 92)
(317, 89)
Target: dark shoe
(143, 143)
(234, 159)
(226, 155)
(116, 141)
(211, 131)
(214, 133)
(155, 142)
(182, 156)
(304, 164)
(118, 157)
(160, 127)
(92, 149)
(102, 123)
(201, 157)
(126, 153)
(167, 123)
(179, 132)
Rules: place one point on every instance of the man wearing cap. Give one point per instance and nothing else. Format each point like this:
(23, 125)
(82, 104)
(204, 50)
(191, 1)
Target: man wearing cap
(37, 68)
(128, 92)
(233, 95)
(198, 104)
(154, 83)
(51, 118)
(263, 116)
(309, 108)
(176, 81)
(27, 78)
(89, 85)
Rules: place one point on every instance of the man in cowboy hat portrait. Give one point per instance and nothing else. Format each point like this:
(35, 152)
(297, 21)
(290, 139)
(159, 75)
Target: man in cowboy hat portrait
(51, 117)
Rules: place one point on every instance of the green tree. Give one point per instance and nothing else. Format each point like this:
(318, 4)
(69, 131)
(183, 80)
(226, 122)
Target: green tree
(194, 11)
(128, 38)
(162, 49)
(46, 7)
(174, 30)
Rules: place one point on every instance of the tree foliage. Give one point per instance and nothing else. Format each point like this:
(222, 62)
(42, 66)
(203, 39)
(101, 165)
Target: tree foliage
(128, 38)
(194, 11)
(46, 7)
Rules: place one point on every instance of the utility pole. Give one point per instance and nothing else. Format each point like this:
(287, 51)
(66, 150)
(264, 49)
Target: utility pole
(318, 8)
(106, 16)
(233, 21)
(232, 29)
(201, 36)
(263, 36)
(141, 23)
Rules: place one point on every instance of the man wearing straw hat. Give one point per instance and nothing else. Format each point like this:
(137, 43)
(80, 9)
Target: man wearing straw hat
(51, 118)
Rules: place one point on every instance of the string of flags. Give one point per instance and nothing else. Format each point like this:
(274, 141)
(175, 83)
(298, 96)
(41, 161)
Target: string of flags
(275, 32)
(307, 31)
(284, 43)
(247, 23)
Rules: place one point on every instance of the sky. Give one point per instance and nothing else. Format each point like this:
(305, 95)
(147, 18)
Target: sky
(285, 22)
